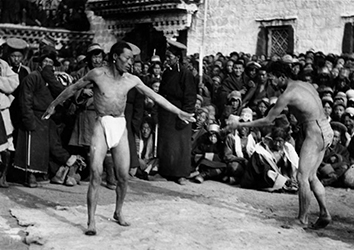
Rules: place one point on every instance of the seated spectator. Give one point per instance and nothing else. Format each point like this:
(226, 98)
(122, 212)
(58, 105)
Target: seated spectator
(147, 150)
(336, 159)
(349, 123)
(327, 103)
(339, 107)
(239, 146)
(199, 127)
(273, 166)
(208, 155)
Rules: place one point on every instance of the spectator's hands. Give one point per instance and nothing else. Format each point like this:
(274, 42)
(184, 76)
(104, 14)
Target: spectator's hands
(87, 92)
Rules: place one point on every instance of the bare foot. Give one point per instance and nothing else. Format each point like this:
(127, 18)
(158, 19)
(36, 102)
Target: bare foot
(120, 220)
(321, 222)
(295, 224)
(3, 183)
(91, 230)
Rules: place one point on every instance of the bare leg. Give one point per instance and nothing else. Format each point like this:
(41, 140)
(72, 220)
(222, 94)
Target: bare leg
(319, 191)
(98, 152)
(121, 159)
(310, 159)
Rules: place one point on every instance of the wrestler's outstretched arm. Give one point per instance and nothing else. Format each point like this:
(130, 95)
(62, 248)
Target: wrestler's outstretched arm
(67, 93)
(184, 116)
(273, 113)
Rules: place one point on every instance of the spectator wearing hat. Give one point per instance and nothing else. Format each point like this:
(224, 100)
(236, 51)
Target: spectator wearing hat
(15, 53)
(342, 82)
(208, 155)
(235, 101)
(239, 146)
(216, 83)
(199, 127)
(324, 78)
(327, 103)
(339, 107)
(174, 144)
(9, 81)
(85, 115)
(336, 159)
(38, 142)
(350, 98)
(232, 107)
(349, 123)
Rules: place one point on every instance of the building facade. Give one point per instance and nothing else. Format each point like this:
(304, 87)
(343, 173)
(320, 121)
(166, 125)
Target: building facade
(253, 26)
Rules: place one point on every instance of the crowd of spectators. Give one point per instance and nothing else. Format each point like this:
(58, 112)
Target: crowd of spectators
(234, 86)
(63, 14)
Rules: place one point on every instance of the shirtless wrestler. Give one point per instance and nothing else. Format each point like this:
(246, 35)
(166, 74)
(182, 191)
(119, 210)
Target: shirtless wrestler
(304, 102)
(111, 85)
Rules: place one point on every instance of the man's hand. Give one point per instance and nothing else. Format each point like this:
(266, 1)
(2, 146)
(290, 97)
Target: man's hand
(233, 122)
(50, 111)
(186, 117)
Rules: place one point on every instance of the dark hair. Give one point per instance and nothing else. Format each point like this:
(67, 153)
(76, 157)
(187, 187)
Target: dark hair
(150, 121)
(280, 132)
(118, 49)
(279, 68)
(239, 62)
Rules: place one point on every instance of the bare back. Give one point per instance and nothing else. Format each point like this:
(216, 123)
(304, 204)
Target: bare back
(303, 101)
(110, 92)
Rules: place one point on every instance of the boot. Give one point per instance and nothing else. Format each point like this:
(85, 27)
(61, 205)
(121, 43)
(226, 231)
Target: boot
(110, 176)
(31, 181)
(78, 164)
(6, 160)
(60, 175)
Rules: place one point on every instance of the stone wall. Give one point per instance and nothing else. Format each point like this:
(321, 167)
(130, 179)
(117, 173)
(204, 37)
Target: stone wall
(232, 25)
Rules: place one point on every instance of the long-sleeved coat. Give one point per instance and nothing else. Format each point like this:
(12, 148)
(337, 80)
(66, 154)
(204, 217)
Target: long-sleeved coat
(174, 136)
(35, 95)
(9, 81)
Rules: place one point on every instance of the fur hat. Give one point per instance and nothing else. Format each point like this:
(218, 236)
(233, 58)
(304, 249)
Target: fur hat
(234, 95)
(339, 127)
(327, 99)
(246, 115)
(214, 128)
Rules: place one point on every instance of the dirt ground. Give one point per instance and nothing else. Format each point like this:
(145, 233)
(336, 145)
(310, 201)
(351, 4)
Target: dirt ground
(165, 215)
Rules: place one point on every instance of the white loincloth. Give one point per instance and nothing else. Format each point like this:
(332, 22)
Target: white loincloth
(113, 128)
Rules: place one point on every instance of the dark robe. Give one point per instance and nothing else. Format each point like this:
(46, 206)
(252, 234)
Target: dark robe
(35, 95)
(174, 135)
(134, 111)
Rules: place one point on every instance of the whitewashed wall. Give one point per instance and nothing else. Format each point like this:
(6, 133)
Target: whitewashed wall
(231, 24)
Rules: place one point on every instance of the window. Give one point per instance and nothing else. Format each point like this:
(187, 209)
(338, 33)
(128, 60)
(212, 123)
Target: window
(276, 36)
(278, 41)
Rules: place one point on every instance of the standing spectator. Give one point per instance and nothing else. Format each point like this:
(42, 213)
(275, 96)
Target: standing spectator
(174, 139)
(38, 139)
(85, 114)
(15, 52)
(8, 83)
